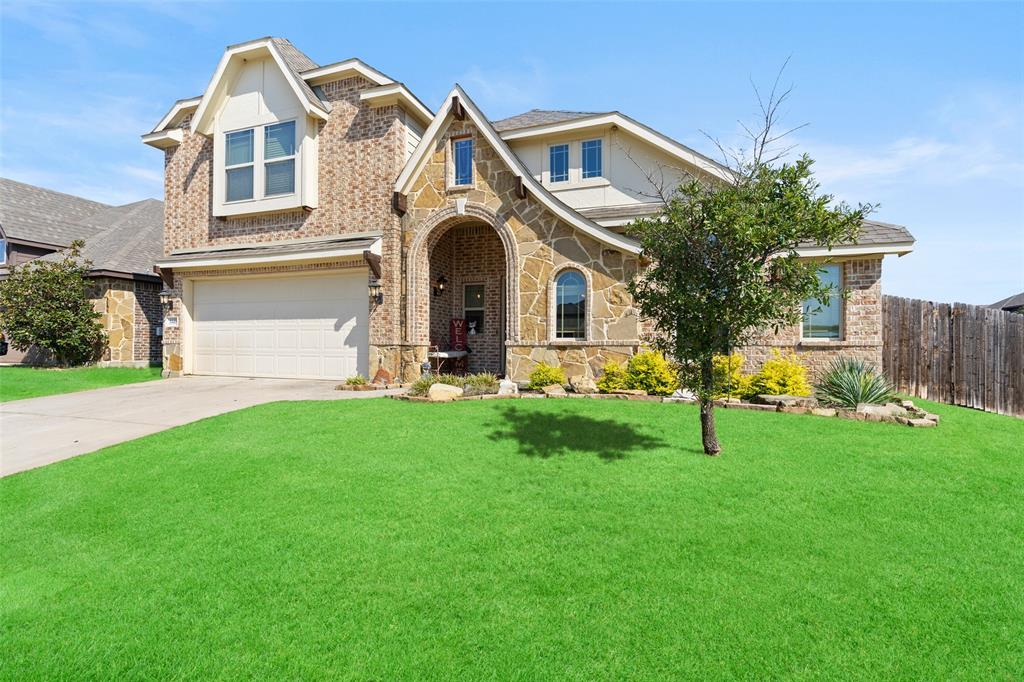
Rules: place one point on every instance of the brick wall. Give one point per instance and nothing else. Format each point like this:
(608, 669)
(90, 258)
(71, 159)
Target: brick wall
(148, 316)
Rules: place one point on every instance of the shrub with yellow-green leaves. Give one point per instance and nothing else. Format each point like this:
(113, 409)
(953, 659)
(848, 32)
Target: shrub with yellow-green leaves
(546, 375)
(782, 374)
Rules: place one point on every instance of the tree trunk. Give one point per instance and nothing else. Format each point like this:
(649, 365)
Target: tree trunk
(707, 410)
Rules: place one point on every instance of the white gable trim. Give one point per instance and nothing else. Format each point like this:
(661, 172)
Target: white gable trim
(163, 139)
(897, 248)
(202, 120)
(340, 69)
(419, 158)
(633, 127)
(179, 107)
(396, 93)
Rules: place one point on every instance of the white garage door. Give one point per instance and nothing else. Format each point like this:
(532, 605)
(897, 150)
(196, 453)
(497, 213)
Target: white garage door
(312, 327)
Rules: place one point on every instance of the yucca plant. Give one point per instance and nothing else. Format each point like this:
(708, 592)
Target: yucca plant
(849, 381)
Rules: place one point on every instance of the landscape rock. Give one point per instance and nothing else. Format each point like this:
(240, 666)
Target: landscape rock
(382, 377)
(626, 391)
(786, 400)
(823, 411)
(508, 387)
(907, 404)
(931, 417)
(582, 384)
(443, 393)
(793, 409)
(920, 423)
(554, 391)
(876, 412)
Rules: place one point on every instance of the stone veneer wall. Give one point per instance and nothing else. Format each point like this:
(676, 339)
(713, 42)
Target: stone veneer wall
(540, 244)
(862, 325)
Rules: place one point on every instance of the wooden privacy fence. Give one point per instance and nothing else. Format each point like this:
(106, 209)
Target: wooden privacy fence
(955, 353)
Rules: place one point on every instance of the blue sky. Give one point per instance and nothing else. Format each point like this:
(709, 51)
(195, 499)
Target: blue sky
(918, 107)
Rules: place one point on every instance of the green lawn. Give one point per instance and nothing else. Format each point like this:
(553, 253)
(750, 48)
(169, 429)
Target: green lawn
(533, 539)
(17, 383)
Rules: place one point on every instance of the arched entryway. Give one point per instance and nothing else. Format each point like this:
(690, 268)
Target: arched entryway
(462, 268)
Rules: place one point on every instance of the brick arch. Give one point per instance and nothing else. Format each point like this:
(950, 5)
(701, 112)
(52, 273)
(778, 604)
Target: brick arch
(428, 234)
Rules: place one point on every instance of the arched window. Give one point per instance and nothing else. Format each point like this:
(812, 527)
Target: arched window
(571, 305)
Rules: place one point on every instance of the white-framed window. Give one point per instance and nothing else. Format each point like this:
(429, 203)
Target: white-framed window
(3, 252)
(462, 153)
(571, 305)
(558, 163)
(279, 158)
(591, 161)
(824, 321)
(473, 301)
(239, 166)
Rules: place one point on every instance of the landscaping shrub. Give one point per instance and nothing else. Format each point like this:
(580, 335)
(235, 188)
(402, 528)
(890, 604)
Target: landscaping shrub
(614, 378)
(423, 384)
(546, 375)
(849, 381)
(357, 380)
(483, 383)
(652, 372)
(730, 382)
(781, 375)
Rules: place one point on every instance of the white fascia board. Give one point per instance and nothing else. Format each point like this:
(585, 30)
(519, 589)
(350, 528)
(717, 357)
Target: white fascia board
(553, 204)
(200, 121)
(383, 95)
(338, 70)
(897, 248)
(635, 128)
(164, 138)
(179, 107)
(256, 259)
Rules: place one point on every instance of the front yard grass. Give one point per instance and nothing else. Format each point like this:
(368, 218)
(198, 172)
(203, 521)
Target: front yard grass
(17, 383)
(532, 539)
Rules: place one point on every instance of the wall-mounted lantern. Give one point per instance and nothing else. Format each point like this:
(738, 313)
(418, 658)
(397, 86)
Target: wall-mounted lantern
(167, 299)
(439, 285)
(376, 291)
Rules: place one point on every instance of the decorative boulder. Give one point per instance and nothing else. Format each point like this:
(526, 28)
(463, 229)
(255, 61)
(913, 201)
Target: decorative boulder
(508, 387)
(382, 377)
(786, 400)
(879, 411)
(583, 384)
(554, 391)
(627, 391)
(443, 393)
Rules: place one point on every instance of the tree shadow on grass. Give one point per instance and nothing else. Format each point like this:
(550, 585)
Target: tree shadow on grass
(545, 434)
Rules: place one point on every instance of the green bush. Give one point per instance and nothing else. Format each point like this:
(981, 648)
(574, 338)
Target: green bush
(483, 383)
(848, 381)
(652, 372)
(357, 380)
(781, 375)
(423, 384)
(613, 378)
(730, 382)
(546, 375)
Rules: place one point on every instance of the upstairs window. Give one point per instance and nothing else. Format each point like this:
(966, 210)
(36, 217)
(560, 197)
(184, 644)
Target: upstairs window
(279, 158)
(591, 159)
(559, 162)
(571, 306)
(238, 165)
(823, 321)
(463, 153)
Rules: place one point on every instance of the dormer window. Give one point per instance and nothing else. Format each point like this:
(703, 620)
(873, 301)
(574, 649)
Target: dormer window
(279, 158)
(238, 165)
(591, 162)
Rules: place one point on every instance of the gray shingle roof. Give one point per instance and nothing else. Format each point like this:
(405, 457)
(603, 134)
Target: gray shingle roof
(41, 215)
(297, 62)
(1010, 303)
(131, 241)
(280, 249)
(539, 117)
(874, 232)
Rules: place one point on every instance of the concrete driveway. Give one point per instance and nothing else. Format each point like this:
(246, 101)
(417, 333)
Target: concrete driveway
(41, 431)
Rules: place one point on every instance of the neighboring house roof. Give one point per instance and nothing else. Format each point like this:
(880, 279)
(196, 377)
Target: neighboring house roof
(1011, 303)
(539, 117)
(43, 216)
(875, 232)
(415, 164)
(131, 240)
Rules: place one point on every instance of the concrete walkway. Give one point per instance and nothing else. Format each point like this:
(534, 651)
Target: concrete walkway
(40, 431)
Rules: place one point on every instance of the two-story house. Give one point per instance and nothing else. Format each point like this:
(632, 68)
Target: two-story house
(321, 221)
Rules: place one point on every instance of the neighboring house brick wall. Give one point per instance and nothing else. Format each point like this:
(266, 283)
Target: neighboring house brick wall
(148, 316)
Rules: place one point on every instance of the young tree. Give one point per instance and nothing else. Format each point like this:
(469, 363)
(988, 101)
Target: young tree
(46, 304)
(723, 257)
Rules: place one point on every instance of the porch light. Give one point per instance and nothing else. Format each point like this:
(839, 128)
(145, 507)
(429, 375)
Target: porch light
(376, 291)
(439, 285)
(167, 298)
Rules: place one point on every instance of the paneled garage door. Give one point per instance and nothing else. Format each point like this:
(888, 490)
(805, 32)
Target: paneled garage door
(310, 327)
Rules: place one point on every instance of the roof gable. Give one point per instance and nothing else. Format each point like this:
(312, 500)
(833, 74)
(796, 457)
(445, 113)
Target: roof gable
(414, 166)
(287, 58)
